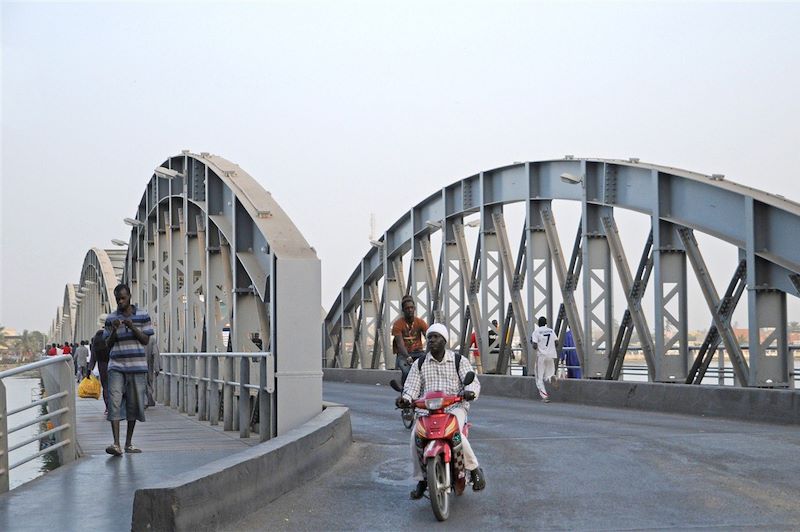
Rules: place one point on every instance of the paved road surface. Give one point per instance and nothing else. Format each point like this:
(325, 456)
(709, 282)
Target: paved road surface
(557, 466)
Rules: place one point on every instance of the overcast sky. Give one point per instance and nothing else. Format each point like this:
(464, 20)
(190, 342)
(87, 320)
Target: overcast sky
(345, 108)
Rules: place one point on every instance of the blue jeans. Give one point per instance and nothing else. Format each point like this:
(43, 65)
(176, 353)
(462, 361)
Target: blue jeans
(403, 365)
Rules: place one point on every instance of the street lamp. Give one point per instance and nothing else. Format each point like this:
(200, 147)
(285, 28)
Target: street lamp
(571, 179)
(433, 226)
(133, 223)
(167, 173)
(118, 242)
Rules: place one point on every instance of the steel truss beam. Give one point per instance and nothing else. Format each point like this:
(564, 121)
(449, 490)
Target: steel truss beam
(472, 292)
(514, 272)
(573, 275)
(713, 338)
(539, 273)
(760, 224)
(566, 281)
(639, 284)
(720, 313)
(597, 293)
(633, 292)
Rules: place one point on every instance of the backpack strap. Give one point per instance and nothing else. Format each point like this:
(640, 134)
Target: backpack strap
(421, 360)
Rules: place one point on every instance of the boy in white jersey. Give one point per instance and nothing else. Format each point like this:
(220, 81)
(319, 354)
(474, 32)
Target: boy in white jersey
(544, 343)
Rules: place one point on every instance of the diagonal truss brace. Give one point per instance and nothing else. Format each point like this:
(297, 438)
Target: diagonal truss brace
(633, 292)
(626, 326)
(573, 276)
(564, 280)
(513, 273)
(712, 340)
(430, 277)
(467, 273)
(721, 320)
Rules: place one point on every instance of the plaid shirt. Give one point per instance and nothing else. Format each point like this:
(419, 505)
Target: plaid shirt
(440, 376)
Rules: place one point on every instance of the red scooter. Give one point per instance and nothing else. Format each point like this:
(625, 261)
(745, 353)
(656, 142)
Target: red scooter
(439, 447)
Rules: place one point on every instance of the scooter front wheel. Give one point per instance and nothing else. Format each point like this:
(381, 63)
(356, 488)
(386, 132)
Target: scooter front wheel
(437, 487)
(408, 417)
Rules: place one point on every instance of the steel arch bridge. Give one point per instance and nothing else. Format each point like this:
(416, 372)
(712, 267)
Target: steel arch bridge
(220, 267)
(85, 303)
(467, 290)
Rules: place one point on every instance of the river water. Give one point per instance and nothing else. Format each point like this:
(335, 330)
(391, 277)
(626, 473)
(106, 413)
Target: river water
(21, 391)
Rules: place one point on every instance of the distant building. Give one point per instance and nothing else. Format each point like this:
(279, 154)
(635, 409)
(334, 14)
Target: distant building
(10, 337)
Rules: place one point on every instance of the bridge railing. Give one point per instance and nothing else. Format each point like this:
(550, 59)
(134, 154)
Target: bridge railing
(58, 375)
(202, 384)
(723, 373)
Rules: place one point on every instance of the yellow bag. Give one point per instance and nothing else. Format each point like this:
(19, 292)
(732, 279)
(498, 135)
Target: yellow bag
(89, 388)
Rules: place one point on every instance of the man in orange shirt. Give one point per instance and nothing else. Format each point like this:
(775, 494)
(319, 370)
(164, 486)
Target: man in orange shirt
(408, 331)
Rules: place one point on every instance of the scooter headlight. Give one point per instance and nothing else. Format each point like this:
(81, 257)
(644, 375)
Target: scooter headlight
(434, 404)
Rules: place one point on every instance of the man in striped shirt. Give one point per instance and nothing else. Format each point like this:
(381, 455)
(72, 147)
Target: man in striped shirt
(439, 373)
(127, 331)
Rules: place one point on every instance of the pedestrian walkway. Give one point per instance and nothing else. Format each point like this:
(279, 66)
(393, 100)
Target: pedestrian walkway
(96, 491)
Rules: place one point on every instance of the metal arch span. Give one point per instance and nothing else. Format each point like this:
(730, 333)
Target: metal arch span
(92, 298)
(220, 266)
(101, 272)
(63, 329)
(463, 290)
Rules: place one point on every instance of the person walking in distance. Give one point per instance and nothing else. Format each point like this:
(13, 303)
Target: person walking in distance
(407, 331)
(82, 360)
(127, 332)
(99, 356)
(153, 367)
(544, 341)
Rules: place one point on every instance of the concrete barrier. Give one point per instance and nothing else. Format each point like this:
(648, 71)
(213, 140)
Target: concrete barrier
(754, 404)
(226, 490)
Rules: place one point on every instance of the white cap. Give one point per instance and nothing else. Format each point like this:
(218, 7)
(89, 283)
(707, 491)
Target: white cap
(438, 328)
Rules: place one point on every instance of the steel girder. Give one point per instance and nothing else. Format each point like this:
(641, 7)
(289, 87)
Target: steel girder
(760, 224)
(86, 303)
(216, 261)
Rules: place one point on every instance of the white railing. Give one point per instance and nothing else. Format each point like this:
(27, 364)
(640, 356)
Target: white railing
(59, 378)
(200, 383)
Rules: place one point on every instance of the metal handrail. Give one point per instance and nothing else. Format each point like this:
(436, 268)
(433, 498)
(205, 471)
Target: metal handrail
(57, 372)
(191, 382)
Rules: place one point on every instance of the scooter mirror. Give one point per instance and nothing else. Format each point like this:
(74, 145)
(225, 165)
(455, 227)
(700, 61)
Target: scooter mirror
(396, 387)
(469, 377)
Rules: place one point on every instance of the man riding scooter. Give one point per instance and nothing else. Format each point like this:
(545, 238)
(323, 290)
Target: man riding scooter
(442, 370)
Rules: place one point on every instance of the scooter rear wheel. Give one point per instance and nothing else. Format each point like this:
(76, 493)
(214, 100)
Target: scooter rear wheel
(437, 487)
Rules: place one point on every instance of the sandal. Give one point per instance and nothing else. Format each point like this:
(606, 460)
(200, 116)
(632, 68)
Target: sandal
(114, 450)
(132, 450)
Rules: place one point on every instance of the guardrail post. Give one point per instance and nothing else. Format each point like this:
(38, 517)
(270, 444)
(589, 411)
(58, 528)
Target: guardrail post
(201, 366)
(181, 383)
(227, 395)
(4, 482)
(173, 381)
(264, 414)
(191, 389)
(158, 382)
(213, 390)
(68, 378)
(61, 376)
(244, 397)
